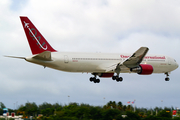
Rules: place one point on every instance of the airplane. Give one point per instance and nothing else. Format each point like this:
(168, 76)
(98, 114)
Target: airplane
(107, 65)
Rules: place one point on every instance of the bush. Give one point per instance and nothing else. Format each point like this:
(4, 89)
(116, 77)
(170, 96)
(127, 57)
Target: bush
(132, 116)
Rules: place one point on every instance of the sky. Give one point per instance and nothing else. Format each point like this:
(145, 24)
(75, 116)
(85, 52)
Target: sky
(106, 26)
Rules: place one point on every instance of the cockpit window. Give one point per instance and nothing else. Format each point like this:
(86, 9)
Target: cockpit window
(174, 60)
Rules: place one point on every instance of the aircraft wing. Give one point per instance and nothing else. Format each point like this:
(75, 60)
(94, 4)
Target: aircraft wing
(136, 58)
(112, 67)
(133, 61)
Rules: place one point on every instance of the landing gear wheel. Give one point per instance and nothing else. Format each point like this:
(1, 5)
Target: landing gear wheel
(117, 78)
(97, 81)
(91, 79)
(120, 79)
(114, 77)
(167, 79)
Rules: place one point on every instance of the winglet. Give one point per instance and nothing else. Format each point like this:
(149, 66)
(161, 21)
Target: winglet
(37, 42)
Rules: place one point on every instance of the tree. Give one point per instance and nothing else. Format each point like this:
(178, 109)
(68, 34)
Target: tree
(129, 107)
(47, 112)
(109, 114)
(82, 112)
(165, 114)
(95, 112)
(152, 118)
(114, 104)
(132, 115)
(57, 106)
(119, 117)
(2, 105)
(124, 108)
(31, 108)
(45, 105)
(120, 105)
(111, 104)
(22, 111)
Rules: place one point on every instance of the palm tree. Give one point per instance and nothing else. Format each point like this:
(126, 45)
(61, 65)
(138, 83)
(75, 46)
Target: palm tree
(120, 105)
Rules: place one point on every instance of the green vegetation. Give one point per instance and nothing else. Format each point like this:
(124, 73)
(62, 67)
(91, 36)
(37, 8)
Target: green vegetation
(75, 111)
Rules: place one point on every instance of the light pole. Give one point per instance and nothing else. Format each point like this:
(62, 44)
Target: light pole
(134, 105)
(16, 105)
(104, 100)
(68, 98)
(177, 111)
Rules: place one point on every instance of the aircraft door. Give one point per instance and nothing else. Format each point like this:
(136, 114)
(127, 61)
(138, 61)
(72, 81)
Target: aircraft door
(66, 59)
(169, 61)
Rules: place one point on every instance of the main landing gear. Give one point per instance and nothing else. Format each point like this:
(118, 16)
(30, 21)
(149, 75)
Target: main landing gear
(94, 79)
(167, 78)
(117, 71)
(117, 78)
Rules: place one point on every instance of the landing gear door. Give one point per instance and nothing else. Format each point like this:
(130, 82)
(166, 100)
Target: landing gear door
(66, 59)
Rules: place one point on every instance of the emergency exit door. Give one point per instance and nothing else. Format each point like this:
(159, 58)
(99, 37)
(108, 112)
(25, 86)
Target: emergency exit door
(66, 59)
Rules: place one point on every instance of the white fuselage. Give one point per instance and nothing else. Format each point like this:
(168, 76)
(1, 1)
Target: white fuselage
(100, 62)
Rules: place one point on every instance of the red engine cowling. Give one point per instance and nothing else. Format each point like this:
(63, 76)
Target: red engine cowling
(106, 74)
(143, 69)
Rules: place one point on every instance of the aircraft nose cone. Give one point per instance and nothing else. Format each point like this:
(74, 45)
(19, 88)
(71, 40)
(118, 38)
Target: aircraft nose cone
(177, 65)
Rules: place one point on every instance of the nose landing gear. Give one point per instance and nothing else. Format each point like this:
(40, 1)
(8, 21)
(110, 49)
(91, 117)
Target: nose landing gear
(167, 78)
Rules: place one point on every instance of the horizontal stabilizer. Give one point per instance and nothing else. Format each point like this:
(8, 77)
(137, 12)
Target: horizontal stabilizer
(46, 55)
(15, 57)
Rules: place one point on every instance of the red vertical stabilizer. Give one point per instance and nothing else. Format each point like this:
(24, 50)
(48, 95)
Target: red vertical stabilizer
(37, 42)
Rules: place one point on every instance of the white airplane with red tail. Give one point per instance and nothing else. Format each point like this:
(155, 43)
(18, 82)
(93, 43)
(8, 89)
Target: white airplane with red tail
(98, 64)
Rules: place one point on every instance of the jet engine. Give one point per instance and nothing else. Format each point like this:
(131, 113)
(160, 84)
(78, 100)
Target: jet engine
(143, 69)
